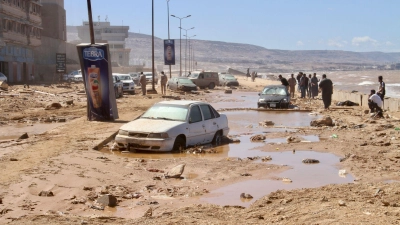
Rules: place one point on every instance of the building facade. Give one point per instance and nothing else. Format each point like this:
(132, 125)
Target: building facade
(20, 33)
(113, 35)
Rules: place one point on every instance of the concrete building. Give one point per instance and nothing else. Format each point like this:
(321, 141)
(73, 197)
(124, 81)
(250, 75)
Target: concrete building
(20, 32)
(113, 35)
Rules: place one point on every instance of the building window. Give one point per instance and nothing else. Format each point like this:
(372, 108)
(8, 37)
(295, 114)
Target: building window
(5, 22)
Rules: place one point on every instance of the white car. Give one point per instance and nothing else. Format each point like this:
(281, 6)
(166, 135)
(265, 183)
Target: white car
(174, 125)
(3, 77)
(127, 81)
(149, 77)
(75, 76)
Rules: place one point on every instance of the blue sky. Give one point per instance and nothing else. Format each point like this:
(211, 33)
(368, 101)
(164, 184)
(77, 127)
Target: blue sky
(350, 25)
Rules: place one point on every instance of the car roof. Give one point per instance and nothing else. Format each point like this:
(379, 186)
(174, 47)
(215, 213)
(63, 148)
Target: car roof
(270, 86)
(180, 102)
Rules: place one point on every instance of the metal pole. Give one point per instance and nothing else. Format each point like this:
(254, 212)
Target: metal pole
(180, 47)
(185, 52)
(189, 56)
(89, 5)
(168, 36)
(152, 42)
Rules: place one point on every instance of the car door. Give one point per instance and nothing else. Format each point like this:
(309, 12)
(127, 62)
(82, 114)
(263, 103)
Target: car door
(174, 85)
(196, 127)
(210, 122)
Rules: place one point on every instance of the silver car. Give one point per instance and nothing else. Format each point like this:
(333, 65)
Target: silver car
(3, 77)
(127, 81)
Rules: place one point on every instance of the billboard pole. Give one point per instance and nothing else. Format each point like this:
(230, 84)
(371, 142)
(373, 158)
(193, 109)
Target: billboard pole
(89, 4)
(152, 42)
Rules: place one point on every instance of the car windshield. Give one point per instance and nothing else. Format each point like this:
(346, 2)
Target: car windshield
(134, 75)
(185, 81)
(194, 75)
(230, 77)
(125, 77)
(274, 91)
(166, 112)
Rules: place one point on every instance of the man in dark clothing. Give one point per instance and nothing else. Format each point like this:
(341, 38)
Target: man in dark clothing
(298, 77)
(326, 86)
(303, 85)
(381, 90)
(284, 81)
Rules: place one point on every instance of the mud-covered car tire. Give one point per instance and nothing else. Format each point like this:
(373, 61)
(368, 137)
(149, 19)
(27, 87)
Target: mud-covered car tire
(179, 144)
(211, 85)
(217, 138)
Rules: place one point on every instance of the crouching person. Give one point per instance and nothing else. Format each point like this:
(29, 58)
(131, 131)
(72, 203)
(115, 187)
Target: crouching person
(375, 104)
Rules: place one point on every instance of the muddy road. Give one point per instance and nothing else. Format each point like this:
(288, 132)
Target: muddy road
(259, 178)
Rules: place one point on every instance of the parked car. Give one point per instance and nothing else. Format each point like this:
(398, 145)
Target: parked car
(205, 79)
(149, 77)
(227, 80)
(74, 76)
(274, 96)
(174, 125)
(135, 77)
(128, 84)
(3, 77)
(181, 84)
(118, 86)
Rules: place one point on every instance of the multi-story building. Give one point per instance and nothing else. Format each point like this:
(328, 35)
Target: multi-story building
(113, 35)
(20, 32)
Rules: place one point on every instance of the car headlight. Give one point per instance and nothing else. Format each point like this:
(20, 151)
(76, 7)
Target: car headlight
(261, 100)
(284, 100)
(123, 132)
(158, 135)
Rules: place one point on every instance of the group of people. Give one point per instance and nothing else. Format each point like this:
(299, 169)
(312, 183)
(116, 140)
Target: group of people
(376, 99)
(253, 75)
(308, 86)
(163, 78)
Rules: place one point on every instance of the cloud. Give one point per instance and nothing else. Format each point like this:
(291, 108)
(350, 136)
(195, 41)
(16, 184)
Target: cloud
(357, 41)
(388, 43)
(299, 43)
(337, 42)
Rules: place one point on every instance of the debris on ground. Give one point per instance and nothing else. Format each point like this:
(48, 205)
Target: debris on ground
(175, 172)
(310, 161)
(266, 123)
(292, 139)
(266, 158)
(247, 196)
(107, 200)
(325, 121)
(286, 180)
(200, 150)
(46, 194)
(258, 137)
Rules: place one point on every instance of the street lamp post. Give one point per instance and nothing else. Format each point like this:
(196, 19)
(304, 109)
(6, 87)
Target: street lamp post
(180, 42)
(190, 68)
(186, 44)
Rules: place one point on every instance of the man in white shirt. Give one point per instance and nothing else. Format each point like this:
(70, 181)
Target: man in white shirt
(375, 103)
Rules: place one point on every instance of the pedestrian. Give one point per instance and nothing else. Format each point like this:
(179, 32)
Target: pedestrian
(314, 86)
(375, 104)
(381, 89)
(32, 78)
(164, 80)
(303, 85)
(248, 73)
(309, 86)
(284, 82)
(252, 76)
(326, 87)
(255, 76)
(292, 85)
(142, 81)
(298, 77)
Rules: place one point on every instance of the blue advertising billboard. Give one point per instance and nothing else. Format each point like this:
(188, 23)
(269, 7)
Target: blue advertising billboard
(169, 52)
(96, 72)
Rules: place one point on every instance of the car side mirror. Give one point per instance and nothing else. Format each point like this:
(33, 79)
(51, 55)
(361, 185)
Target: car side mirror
(259, 94)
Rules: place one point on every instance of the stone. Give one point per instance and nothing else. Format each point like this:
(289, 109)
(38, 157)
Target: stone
(176, 172)
(148, 213)
(228, 91)
(366, 111)
(258, 137)
(266, 158)
(291, 139)
(266, 123)
(385, 203)
(46, 194)
(24, 136)
(13, 159)
(310, 161)
(69, 102)
(88, 188)
(342, 203)
(243, 195)
(107, 200)
(1, 201)
(364, 144)
(54, 105)
(325, 121)
(62, 120)
(286, 180)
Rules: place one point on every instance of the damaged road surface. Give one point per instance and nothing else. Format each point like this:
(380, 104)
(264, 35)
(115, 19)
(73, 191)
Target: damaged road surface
(294, 173)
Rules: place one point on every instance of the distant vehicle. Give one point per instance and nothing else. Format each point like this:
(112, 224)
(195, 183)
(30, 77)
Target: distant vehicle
(181, 84)
(3, 77)
(118, 86)
(74, 76)
(127, 81)
(174, 125)
(205, 79)
(274, 96)
(149, 77)
(135, 77)
(227, 80)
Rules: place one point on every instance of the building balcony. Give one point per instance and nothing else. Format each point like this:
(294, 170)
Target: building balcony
(34, 41)
(12, 37)
(35, 18)
(12, 11)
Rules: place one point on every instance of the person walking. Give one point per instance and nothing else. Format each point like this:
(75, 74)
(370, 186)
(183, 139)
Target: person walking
(142, 81)
(298, 77)
(292, 85)
(284, 81)
(253, 74)
(303, 85)
(381, 90)
(314, 86)
(164, 80)
(309, 86)
(326, 87)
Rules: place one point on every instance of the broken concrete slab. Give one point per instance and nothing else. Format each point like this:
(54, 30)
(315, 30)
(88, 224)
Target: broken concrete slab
(3, 85)
(176, 172)
(107, 200)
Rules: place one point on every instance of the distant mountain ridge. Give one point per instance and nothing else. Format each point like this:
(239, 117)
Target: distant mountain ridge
(223, 55)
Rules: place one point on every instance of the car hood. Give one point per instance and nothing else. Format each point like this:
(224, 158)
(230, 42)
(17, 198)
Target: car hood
(150, 126)
(127, 81)
(273, 97)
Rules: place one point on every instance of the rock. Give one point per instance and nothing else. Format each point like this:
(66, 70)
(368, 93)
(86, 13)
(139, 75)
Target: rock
(107, 200)
(342, 172)
(245, 174)
(364, 144)
(385, 203)
(24, 136)
(266, 158)
(1, 201)
(55, 105)
(228, 91)
(69, 102)
(266, 123)
(366, 111)
(342, 203)
(62, 120)
(176, 172)
(148, 213)
(46, 194)
(88, 188)
(243, 195)
(309, 161)
(13, 159)
(291, 139)
(287, 180)
(258, 137)
(325, 121)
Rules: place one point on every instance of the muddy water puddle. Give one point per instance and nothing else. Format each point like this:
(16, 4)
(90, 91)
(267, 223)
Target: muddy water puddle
(234, 100)
(302, 176)
(11, 132)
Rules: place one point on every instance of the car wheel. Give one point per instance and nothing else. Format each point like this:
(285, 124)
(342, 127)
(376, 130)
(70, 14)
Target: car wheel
(179, 144)
(116, 93)
(211, 86)
(217, 138)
